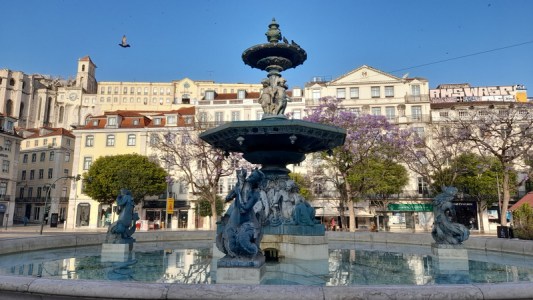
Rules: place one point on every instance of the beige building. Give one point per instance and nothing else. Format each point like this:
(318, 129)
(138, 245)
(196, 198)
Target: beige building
(45, 158)
(9, 152)
(403, 101)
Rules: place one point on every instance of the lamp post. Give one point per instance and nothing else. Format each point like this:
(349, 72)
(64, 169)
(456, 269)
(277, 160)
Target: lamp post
(49, 188)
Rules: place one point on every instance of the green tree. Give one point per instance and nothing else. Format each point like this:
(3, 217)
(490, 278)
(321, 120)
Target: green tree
(108, 174)
(378, 179)
(523, 222)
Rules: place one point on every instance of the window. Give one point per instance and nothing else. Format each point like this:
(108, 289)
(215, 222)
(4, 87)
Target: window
(112, 121)
(33, 157)
(341, 93)
(422, 186)
(136, 122)
(154, 139)
(45, 142)
(21, 193)
(39, 192)
(462, 113)
(54, 142)
(235, 115)
(241, 94)
(157, 121)
(415, 90)
(43, 156)
(32, 174)
(389, 91)
(50, 173)
(25, 159)
(67, 156)
(132, 90)
(36, 143)
(419, 131)
(443, 114)
(5, 166)
(116, 90)
(109, 89)
(52, 155)
(125, 90)
(102, 90)
(41, 173)
(354, 93)
(30, 192)
(209, 95)
(185, 139)
(139, 90)
(171, 120)
(110, 140)
(220, 187)
(416, 112)
(376, 111)
(65, 172)
(390, 113)
(7, 145)
(146, 91)
(89, 141)
(316, 94)
(374, 91)
(131, 139)
(87, 162)
(3, 188)
(23, 176)
(219, 117)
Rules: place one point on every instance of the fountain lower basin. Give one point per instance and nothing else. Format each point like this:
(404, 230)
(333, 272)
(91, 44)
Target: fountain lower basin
(30, 287)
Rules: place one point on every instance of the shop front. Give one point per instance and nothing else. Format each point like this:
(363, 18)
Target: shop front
(155, 214)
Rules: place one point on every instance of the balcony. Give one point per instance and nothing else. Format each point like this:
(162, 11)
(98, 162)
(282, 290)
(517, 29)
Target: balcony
(418, 118)
(5, 197)
(417, 98)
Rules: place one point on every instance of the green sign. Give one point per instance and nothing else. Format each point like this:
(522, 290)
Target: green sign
(410, 207)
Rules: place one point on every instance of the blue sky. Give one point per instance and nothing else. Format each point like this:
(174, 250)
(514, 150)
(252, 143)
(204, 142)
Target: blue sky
(204, 39)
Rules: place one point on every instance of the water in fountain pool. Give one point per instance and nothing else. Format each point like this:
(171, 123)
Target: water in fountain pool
(192, 262)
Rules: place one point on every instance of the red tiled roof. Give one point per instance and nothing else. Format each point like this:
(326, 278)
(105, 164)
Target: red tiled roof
(528, 198)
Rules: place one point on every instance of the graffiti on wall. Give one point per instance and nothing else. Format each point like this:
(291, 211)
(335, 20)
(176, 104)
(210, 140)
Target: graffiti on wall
(470, 94)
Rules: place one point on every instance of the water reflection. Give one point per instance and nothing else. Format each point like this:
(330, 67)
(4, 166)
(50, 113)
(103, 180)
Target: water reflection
(361, 264)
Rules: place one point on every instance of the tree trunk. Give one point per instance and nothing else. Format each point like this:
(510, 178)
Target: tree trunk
(214, 215)
(506, 197)
(351, 209)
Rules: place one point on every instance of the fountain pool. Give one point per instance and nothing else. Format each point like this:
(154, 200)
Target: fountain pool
(183, 261)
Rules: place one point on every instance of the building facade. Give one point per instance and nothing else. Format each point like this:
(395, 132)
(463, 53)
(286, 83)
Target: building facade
(46, 156)
(404, 102)
(9, 151)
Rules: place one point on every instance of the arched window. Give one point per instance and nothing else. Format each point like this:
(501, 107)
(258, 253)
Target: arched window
(12, 82)
(83, 68)
(21, 110)
(9, 107)
(61, 112)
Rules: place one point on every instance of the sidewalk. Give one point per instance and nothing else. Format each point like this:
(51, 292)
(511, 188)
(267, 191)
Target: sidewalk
(19, 230)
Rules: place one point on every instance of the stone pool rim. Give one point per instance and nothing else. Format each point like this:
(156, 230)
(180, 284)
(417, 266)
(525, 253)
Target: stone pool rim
(23, 287)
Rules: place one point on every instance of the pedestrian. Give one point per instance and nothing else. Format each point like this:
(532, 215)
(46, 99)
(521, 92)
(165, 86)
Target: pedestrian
(25, 220)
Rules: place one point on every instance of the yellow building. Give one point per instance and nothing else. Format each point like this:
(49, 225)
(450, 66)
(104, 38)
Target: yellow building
(122, 132)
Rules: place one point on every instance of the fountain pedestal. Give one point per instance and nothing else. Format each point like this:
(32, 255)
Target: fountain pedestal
(117, 252)
(303, 247)
(238, 275)
(450, 263)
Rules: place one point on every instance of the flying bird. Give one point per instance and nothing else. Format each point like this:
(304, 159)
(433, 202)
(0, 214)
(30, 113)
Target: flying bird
(124, 43)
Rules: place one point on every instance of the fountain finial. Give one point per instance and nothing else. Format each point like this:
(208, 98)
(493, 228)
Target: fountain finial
(273, 34)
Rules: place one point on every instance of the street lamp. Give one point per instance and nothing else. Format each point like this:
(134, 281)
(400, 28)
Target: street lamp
(49, 188)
